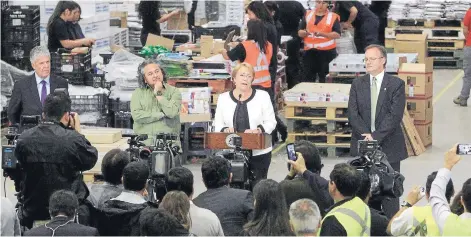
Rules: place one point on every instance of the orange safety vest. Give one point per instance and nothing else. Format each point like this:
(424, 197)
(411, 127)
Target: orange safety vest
(325, 25)
(259, 61)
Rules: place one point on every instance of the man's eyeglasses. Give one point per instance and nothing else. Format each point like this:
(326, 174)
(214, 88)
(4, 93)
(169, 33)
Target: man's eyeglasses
(372, 59)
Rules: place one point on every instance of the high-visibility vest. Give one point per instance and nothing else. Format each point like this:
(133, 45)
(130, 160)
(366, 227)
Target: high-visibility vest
(424, 222)
(325, 25)
(354, 216)
(259, 61)
(457, 226)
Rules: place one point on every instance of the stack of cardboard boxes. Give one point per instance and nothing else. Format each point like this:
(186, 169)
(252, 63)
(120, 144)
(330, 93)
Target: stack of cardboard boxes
(412, 43)
(419, 93)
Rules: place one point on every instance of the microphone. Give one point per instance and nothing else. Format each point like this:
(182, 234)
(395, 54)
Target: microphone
(237, 113)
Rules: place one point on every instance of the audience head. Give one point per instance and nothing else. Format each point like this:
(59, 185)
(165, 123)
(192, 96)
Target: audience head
(177, 204)
(41, 61)
(63, 202)
(180, 179)
(158, 222)
(344, 181)
(310, 154)
(305, 217)
(57, 108)
(364, 189)
(270, 212)
(113, 165)
(466, 198)
(450, 190)
(216, 172)
(456, 206)
(135, 176)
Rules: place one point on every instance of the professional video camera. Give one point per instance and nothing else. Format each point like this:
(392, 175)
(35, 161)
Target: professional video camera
(242, 176)
(385, 182)
(161, 157)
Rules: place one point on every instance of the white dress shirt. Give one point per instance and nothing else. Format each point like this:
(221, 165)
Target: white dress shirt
(440, 208)
(379, 81)
(40, 85)
(204, 222)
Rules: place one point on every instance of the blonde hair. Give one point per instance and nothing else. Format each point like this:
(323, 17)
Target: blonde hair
(242, 65)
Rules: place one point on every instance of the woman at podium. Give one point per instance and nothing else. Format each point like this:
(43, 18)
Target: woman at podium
(247, 110)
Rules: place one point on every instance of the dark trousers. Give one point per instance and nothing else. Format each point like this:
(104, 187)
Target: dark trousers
(366, 34)
(293, 75)
(316, 64)
(259, 166)
(391, 206)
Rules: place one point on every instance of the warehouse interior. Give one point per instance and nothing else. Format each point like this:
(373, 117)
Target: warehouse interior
(425, 41)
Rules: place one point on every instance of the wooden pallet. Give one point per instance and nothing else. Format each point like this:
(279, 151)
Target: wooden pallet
(446, 54)
(412, 135)
(323, 113)
(428, 23)
(333, 152)
(445, 44)
(336, 139)
(218, 85)
(446, 33)
(317, 126)
(346, 74)
(447, 64)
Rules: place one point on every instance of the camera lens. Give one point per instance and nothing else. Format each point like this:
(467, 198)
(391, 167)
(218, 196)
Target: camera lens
(144, 154)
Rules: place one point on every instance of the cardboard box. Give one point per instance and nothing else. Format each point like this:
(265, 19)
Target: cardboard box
(418, 78)
(196, 100)
(421, 110)
(195, 118)
(425, 133)
(318, 95)
(102, 136)
(178, 22)
(206, 45)
(412, 43)
(159, 40)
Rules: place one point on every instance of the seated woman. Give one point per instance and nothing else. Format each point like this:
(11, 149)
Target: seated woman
(254, 115)
(57, 30)
(155, 106)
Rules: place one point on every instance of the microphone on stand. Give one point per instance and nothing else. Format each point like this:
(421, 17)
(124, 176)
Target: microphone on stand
(236, 113)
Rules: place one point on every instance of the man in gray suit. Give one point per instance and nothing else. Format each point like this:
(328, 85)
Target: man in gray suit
(29, 94)
(233, 207)
(375, 110)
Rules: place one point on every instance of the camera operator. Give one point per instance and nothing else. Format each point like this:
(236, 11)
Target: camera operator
(29, 94)
(304, 179)
(232, 115)
(52, 156)
(155, 106)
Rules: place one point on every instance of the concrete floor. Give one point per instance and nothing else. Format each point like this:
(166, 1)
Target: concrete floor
(450, 126)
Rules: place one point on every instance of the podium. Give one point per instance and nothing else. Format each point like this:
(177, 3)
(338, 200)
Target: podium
(250, 141)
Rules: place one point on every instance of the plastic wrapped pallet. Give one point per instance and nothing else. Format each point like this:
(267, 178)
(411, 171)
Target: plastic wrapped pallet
(123, 67)
(354, 63)
(11, 74)
(346, 44)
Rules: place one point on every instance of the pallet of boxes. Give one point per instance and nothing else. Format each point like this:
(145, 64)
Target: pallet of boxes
(419, 93)
(317, 112)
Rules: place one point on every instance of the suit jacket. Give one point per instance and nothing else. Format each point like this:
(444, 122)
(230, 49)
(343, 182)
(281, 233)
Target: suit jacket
(233, 207)
(69, 229)
(25, 99)
(389, 112)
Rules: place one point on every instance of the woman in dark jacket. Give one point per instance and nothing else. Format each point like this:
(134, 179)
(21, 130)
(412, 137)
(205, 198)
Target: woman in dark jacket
(149, 12)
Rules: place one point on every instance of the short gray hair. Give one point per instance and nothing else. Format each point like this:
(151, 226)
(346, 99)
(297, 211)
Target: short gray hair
(381, 49)
(305, 216)
(37, 52)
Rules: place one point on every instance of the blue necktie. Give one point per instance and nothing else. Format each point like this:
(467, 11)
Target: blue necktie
(43, 92)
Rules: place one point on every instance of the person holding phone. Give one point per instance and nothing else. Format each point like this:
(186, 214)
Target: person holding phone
(247, 110)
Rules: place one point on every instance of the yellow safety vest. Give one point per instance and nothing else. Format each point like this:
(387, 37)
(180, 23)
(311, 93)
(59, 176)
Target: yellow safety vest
(456, 226)
(354, 216)
(424, 222)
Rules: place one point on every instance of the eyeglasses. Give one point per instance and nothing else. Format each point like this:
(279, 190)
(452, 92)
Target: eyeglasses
(372, 59)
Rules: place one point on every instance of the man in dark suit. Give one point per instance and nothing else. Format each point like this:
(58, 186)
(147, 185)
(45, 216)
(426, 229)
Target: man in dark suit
(62, 207)
(375, 110)
(233, 207)
(29, 94)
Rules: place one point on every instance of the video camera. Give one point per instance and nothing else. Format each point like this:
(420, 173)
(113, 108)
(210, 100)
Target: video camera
(161, 157)
(385, 182)
(242, 176)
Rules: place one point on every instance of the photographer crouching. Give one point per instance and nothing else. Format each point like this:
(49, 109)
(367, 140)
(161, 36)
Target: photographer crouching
(52, 156)
(247, 110)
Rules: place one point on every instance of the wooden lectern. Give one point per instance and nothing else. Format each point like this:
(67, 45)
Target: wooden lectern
(250, 141)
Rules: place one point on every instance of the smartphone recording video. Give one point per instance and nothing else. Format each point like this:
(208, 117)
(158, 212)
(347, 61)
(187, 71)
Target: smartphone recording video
(291, 152)
(463, 149)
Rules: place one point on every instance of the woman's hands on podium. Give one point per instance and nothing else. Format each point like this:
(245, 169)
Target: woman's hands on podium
(231, 130)
(258, 130)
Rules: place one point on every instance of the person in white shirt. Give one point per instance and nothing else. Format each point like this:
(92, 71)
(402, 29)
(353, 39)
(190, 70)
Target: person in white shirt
(247, 110)
(412, 219)
(203, 221)
(449, 223)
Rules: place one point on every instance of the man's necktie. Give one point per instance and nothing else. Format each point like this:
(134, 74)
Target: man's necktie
(43, 92)
(374, 98)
